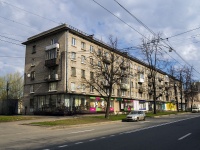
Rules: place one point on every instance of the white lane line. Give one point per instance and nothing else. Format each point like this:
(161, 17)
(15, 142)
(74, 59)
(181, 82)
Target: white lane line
(81, 131)
(103, 137)
(112, 135)
(92, 140)
(159, 125)
(79, 143)
(184, 136)
(46, 149)
(62, 146)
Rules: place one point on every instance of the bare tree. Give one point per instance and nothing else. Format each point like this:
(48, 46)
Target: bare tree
(11, 86)
(153, 55)
(110, 70)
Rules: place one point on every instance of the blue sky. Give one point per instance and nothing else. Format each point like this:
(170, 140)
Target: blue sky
(20, 19)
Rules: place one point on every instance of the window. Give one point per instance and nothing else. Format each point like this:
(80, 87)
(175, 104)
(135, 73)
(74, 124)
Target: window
(99, 64)
(34, 49)
(83, 45)
(118, 92)
(73, 70)
(53, 86)
(91, 89)
(31, 103)
(73, 86)
(32, 89)
(91, 49)
(83, 59)
(52, 41)
(82, 73)
(123, 93)
(99, 52)
(73, 56)
(136, 85)
(91, 75)
(91, 61)
(83, 87)
(113, 91)
(51, 54)
(33, 62)
(73, 41)
(132, 86)
(32, 75)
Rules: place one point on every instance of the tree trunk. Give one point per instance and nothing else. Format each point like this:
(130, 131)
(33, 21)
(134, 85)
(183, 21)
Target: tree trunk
(107, 108)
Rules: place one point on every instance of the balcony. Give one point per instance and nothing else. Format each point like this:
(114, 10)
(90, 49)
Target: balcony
(106, 60)
(52, 62)
(149, 83)
(52, 78)
(140, 90)
(56, 45)
(160, 86)
(149, 76)
(160, 79)
(140, 80)
(124, 86)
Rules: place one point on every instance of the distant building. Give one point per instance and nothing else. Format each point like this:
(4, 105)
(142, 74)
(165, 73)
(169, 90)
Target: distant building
(55, 62)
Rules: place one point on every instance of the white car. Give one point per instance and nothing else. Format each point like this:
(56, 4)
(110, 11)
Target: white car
(136, 116)
(195, 109)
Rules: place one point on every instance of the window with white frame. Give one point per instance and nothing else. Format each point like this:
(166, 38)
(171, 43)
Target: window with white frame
(91, 49)
(83, 59)
(91, 61)
(32, 89)
(52, 86)
(73, 41)
(33, 75)
(83, 46)
(91, 89)
(73, 56)
(123, 93)
(83, 87)
(73, 88)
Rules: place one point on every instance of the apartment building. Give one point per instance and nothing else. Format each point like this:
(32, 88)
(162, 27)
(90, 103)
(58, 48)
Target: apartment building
(57, 60)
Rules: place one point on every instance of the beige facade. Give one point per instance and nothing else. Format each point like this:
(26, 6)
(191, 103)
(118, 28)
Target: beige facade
(58, 60)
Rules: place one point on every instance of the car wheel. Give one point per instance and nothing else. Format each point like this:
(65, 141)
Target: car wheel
(138, 119)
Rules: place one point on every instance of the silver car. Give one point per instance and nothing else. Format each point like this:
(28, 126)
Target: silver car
(136, 116)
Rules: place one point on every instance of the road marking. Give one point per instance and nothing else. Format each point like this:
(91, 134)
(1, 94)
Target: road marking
(62, 146)
(92, 140)
(163, 124)
(112, 135)
(81, 131)
(144, 122)
(184, 136)
(79, 143)
(103, 137)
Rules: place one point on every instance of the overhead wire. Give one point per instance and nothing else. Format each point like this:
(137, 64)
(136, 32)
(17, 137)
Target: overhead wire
(155, 34)
(119, 19)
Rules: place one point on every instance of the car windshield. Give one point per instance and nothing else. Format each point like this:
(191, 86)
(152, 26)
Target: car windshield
(134, 112)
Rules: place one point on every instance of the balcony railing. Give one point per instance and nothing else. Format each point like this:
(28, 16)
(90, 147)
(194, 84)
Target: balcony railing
(52, 62)
(124, 86)
(140, 90)
(56, 45)
(106, 60)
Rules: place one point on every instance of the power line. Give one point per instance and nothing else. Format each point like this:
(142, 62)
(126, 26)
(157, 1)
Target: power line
(10, 38)
(18, 23)
(155, 34)
(119, 19)
(182, 33)
(31, 13)
(12, 43)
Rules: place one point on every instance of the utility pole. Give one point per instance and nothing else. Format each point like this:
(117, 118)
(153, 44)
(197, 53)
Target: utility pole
(181, 90)
(175, 90)
(7, 89)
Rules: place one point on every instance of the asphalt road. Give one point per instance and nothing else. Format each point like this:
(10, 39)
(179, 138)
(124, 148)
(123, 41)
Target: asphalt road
(171, 132)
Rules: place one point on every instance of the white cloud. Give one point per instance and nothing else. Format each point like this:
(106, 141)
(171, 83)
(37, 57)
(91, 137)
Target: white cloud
(169, 17)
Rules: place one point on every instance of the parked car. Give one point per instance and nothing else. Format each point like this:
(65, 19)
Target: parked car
(136, 116)
(195, 109)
